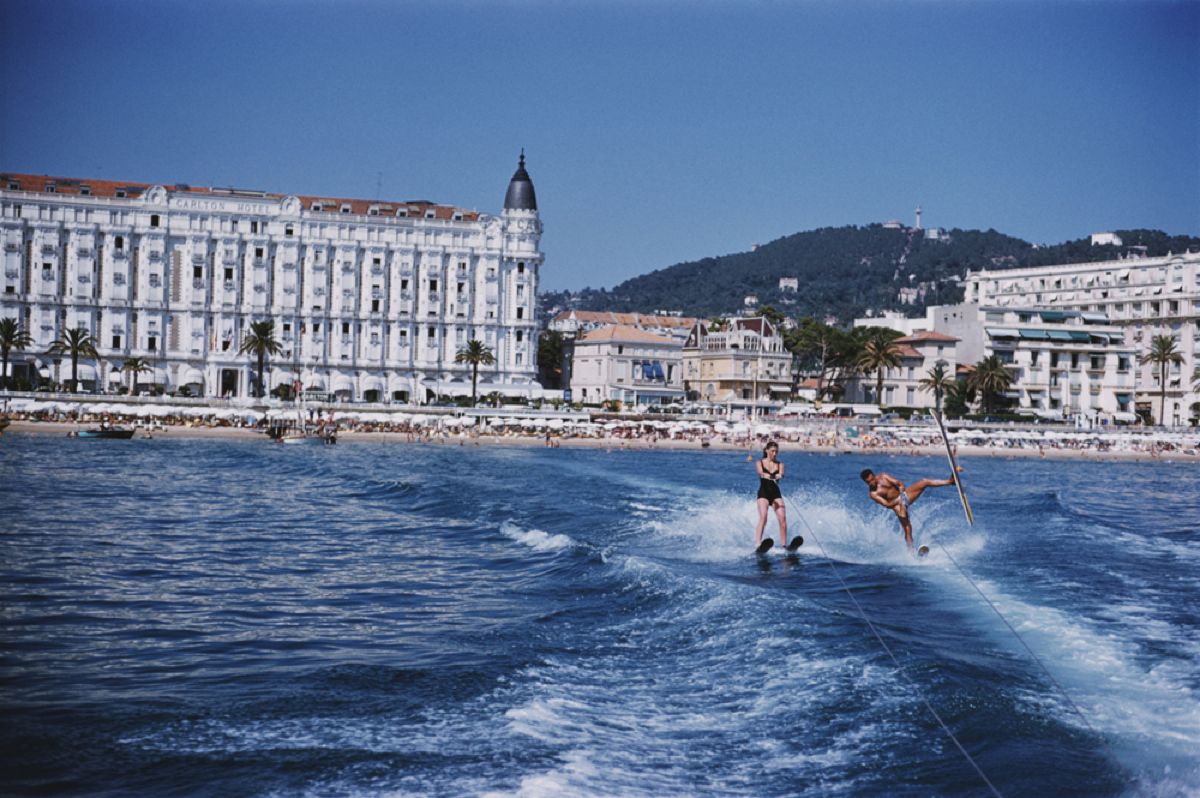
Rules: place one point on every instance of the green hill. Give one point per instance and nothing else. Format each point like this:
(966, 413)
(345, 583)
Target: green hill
(843, 271)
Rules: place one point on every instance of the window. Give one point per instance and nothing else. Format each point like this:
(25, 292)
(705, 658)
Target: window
(433, 285)
(433, 332)
(346, 208)
(119, 243)
(14, 186)
(154, 220)
(521, 268)
(253, 226)
(116, 342)
(520, 336)
(404, 285)
(197, 272)
(85, 190)
(520, 313)
(374, 305)
(460, 288)
(345, 328)
(228, 273)
(121, 194)
(316, 326)
(50, 189)
(258, 253)
(152, 342)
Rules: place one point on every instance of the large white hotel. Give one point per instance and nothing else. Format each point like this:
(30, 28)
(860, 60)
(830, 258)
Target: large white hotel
(1144, 297)
(371, 300)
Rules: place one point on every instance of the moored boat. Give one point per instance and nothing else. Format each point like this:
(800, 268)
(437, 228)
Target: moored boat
(119, 433)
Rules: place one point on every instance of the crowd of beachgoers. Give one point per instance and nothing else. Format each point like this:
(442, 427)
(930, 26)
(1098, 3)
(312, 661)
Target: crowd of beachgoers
(520, 425)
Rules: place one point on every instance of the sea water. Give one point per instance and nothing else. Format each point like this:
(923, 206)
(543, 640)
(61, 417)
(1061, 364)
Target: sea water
(200, 617)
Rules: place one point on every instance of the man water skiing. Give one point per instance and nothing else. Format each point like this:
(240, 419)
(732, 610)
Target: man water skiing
(892, 494)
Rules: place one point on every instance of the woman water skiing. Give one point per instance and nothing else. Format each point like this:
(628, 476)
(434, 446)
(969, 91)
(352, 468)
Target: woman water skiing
(770, 471)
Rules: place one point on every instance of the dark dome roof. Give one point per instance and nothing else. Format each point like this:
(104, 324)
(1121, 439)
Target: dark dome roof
(520, 196)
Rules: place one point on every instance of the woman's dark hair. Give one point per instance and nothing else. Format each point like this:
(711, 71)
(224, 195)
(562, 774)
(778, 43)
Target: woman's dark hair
(866, 472)
(770, 444)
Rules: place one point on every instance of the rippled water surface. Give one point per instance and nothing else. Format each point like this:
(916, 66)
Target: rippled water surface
(196, 617)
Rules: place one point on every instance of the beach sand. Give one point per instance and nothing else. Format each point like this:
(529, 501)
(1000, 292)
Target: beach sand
(965, 452)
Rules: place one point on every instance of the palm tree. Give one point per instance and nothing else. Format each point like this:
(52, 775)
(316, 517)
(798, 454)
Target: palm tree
(260, 342)
(991, 377)
(475, 353)
(134, 366)
(1163, 352)
(879, 352)
(937, 381)
(11, 337)
(77, 343)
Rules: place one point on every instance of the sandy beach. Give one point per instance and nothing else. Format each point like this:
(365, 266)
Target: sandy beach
(469, 439)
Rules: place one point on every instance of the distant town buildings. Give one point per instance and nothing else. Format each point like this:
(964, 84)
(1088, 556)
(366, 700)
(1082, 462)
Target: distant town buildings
(370, 299)
(1102, 239)
(789, 284)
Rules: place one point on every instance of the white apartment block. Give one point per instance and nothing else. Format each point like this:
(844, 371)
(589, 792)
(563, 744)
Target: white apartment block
(1144, 296)
(1065, 363)
(624, 363)
(371, 300)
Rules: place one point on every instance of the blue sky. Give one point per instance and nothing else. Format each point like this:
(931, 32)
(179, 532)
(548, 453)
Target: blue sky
(656, 132)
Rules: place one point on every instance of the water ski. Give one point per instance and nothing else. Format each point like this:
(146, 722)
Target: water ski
(962, 494)
(795, 543)
(922, 551)
(765, 546)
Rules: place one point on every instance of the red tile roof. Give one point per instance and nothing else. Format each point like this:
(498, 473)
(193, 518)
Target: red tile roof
(618, 332)
(920, 336)
(75, 186)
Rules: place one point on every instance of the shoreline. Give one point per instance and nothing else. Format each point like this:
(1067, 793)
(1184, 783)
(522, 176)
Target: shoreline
(61, 428)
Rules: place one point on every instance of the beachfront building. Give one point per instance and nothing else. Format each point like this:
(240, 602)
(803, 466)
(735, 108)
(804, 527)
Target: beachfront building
(371, 299)
(740, 363)
(1144, 297)
(622, 363)
(919, 352)
(1064, 363)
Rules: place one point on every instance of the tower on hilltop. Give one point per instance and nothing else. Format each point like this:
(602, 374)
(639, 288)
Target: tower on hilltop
(918, 217)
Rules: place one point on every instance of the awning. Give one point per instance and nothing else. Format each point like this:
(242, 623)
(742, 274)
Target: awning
(1002, 332)
(1035, 335)
(1053, 315)
(342, 383)
(1095, 318)
(372, 383)
(1059, 335)
(313, 382)
(191, 376)
(1101, 338)
(1081, 337)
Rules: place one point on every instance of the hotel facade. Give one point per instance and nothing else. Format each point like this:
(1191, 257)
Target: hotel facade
(1144, 297)
(371, 300)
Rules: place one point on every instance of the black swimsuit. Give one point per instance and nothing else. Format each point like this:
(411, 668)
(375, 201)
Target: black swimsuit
(768, 488)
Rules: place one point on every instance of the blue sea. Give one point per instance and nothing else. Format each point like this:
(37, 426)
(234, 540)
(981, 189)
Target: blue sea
(233, 618)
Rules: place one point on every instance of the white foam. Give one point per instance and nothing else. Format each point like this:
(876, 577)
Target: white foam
(1147, 709)
(535, 539)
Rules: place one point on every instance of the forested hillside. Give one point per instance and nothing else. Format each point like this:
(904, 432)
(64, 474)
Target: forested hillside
(844, 271)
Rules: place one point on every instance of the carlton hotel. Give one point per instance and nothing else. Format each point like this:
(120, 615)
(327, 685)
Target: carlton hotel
(371, 300)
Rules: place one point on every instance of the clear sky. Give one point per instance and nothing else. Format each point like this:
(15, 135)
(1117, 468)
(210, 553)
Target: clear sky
(656, 131)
